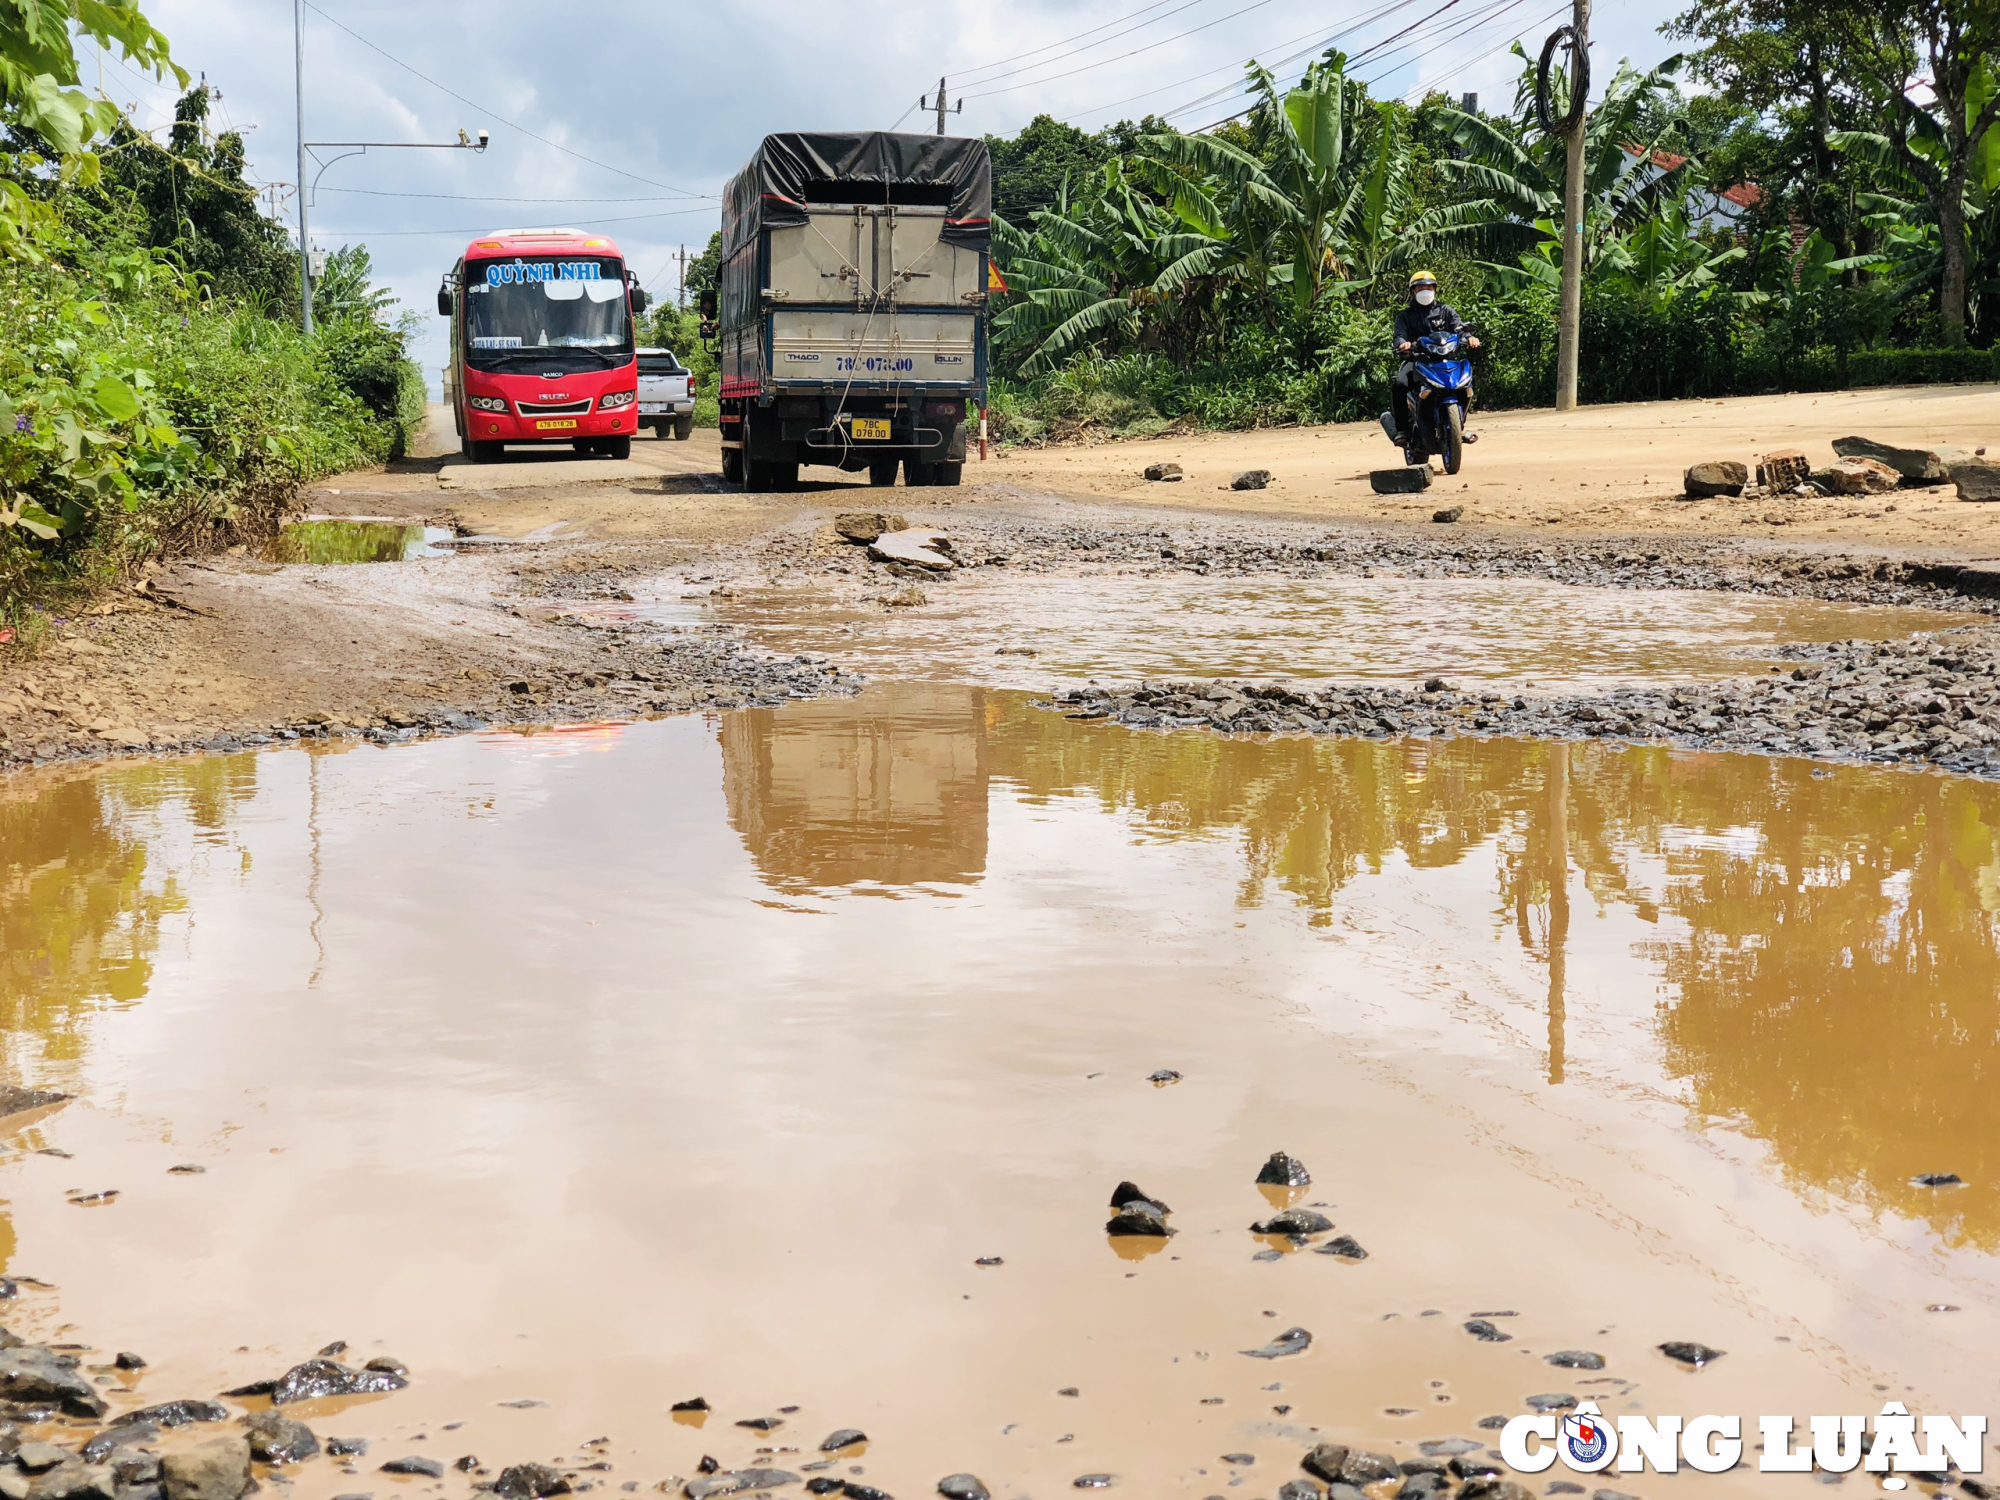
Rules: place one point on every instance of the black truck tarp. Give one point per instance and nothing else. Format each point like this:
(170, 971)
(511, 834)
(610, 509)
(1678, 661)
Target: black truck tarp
(792, 170)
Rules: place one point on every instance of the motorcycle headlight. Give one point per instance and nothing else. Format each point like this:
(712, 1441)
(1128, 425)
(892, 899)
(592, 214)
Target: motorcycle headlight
(485, 403)
(616, 399)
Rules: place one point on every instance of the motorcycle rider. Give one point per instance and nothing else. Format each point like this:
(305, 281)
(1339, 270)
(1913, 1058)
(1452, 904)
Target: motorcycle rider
(1422, 314)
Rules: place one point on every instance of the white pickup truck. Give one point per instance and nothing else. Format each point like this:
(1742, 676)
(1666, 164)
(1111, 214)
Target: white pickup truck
(666, 393)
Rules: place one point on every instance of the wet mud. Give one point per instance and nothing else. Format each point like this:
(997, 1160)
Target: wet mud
(790, 1059)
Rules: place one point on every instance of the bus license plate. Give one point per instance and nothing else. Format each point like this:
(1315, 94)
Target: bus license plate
(874, 429)
(567, 424)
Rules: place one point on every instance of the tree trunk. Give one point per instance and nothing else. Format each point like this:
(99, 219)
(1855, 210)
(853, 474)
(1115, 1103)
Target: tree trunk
(1951, 243)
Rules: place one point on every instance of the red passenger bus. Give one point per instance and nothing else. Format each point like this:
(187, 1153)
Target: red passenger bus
(541, 343)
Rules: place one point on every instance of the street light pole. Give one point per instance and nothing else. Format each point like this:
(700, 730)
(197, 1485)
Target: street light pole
(299, 99)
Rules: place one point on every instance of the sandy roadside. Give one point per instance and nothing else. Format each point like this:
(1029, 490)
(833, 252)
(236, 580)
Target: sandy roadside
(1608, 469)
(231, 645)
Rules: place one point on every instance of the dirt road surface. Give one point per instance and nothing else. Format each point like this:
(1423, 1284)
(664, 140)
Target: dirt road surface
(233, 645)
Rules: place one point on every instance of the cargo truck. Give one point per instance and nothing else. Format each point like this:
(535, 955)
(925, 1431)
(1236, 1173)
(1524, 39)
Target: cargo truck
(850, 310)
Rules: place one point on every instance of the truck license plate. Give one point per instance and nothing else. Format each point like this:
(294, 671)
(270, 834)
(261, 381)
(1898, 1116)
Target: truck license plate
(874, 429)
(567, 424)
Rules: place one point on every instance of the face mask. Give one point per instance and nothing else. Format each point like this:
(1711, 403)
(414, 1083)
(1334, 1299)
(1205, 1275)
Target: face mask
(1426, 297)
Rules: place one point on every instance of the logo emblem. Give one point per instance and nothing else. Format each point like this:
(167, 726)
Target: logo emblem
(1587, 1441)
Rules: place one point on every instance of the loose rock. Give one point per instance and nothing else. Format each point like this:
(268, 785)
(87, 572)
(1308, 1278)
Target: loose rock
(1404, 479)
(1724, 476)
(1448, 515)
(1937, 1180)
(1092, 1482)
(1486, 1332)
(846, 1437)
(1251, 479)
(1551, 1401)
(1325, 1461)
(1130, 1192)
(529, 1482)
(276, 1439)
(1298, 1489)
(218, 1469)
(1284, 1171)
(32, 1375)
(1369, 1468)
(415, 1463)
(1977, 479)
(1924, 465)
(914, 547)
(1294, 1221)
(865, 526)
(126, 1360)
(1168, 473)
(1291, 1341)
(1575, 1359)
(1163, 1077)
(963, 1487)
(1345, 1246)
(1689, 1353)
(346, 1447)
(179, 1413)
(324, 1377)
(1856, 476)
(734, 1481)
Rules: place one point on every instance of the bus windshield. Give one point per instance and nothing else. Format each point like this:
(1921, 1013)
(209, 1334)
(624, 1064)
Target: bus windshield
(537, 305)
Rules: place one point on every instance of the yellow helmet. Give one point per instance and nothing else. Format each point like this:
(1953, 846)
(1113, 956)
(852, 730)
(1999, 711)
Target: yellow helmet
(1423, 278)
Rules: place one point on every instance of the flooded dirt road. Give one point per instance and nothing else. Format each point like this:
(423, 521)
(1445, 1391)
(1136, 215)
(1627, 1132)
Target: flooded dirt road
(1010, 630)
(613, 1067)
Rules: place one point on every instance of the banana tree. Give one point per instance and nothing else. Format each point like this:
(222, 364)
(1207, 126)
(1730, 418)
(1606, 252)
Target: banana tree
(1514, 173)
(1097, 267)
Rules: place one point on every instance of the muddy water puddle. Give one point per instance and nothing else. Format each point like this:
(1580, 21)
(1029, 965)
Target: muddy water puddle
(606, 1069)
(323, 540)
(1025, 631)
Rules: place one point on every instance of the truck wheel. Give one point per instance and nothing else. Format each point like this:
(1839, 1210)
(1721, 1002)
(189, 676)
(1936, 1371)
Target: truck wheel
(684, 427)
(882, 471)
(615, 447)
(732, 465)
(760, 475)
(946, 474)
(479, 452)
(916, 472)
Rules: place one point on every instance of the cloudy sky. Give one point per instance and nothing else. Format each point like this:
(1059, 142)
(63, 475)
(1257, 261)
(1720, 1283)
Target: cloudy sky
(628, 118)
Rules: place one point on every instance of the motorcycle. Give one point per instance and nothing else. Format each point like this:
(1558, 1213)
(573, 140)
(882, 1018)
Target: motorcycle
(1444, 398)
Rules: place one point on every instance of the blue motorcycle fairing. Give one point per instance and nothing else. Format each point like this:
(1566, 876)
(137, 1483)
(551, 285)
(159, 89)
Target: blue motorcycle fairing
(1446, 374)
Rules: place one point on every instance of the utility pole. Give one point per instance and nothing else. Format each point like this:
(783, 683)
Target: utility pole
(299, 99)
(1570, 325)
(682, 297)
(923, 103)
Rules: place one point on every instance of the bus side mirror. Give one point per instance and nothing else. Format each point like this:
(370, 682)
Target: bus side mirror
(444, 301)
(640, 301)
(706, 303)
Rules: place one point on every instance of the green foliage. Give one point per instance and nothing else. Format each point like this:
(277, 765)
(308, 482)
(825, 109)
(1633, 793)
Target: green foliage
(1245, 276)
(670, 327)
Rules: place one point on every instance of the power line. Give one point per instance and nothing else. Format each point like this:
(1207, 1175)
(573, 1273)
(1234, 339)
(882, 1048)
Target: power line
(1479, 57)
(475, 104)
(1321, 40)
(500, 198)
(1320, 45)
(1002, 62)
(1178, 36)
(357, 234)
(1100, 42)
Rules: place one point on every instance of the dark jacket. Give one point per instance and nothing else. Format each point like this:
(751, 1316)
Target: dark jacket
(1413, 322)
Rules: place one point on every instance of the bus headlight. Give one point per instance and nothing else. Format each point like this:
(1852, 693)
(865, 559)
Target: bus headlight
(616, 399)
(485, 403)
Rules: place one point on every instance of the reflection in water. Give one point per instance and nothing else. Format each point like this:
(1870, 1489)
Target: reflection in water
(885, 793)
(1828, 942)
